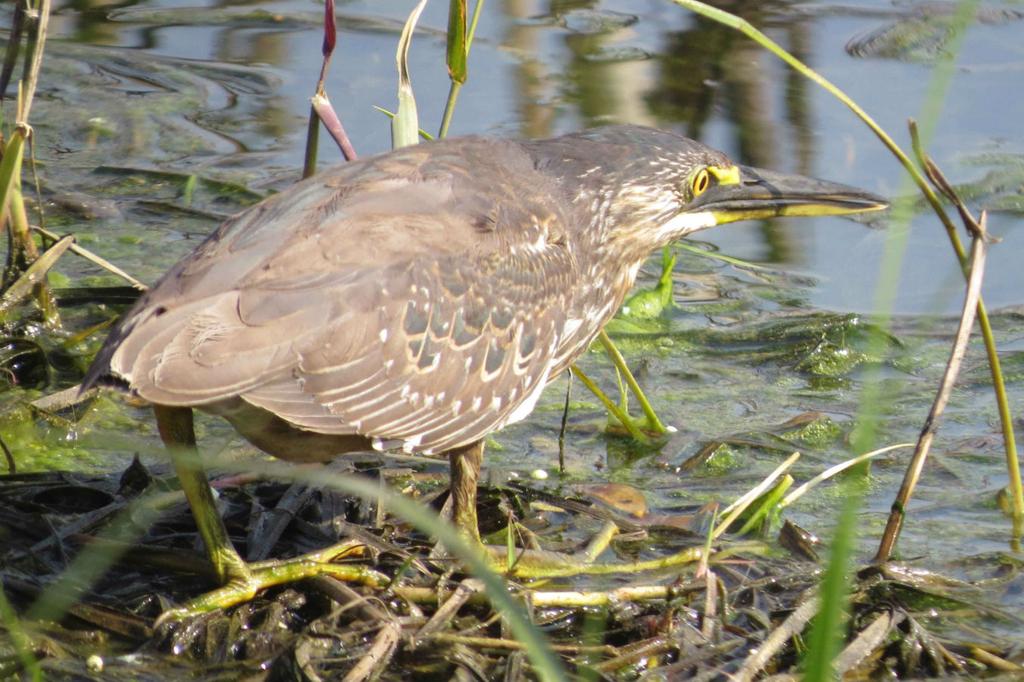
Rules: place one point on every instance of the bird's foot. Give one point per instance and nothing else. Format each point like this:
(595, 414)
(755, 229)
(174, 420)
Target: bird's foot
(244, 581)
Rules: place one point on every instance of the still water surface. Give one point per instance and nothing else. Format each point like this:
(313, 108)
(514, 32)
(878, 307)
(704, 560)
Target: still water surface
(540, 69)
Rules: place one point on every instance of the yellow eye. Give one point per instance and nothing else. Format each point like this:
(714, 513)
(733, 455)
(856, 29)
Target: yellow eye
(700, 182)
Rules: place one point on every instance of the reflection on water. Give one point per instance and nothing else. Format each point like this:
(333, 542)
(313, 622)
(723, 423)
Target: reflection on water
(542, 68)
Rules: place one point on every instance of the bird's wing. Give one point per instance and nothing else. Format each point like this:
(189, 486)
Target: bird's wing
(412, 298)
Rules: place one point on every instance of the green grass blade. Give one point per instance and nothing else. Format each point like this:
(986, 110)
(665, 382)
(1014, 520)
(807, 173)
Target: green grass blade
(455, 48)
(19, 638)
(457, 77)
(405, 124)
(33, 275)
(10, 168)
(829, 627)
(391, 115)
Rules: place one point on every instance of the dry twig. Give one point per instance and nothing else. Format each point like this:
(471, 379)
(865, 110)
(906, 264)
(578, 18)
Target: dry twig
(970, 307)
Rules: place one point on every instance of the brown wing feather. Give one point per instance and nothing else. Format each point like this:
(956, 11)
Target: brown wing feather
(398, 298)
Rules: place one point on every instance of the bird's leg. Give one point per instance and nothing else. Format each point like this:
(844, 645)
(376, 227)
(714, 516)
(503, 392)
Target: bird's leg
(241, 581)
(465, 472)
(177, 433)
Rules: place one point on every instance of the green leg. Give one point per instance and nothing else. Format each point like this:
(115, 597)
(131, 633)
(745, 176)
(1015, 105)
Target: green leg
(178, 435)
(241, 581)
(465, 472)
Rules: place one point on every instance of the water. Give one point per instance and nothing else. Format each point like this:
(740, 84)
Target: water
(541, 70)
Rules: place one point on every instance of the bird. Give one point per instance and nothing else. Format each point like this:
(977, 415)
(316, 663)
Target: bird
(421, 299)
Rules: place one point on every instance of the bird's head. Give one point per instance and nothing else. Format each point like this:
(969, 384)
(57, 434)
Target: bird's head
(651, 187)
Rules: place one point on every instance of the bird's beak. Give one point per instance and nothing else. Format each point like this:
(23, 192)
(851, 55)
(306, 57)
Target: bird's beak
(754, 193)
